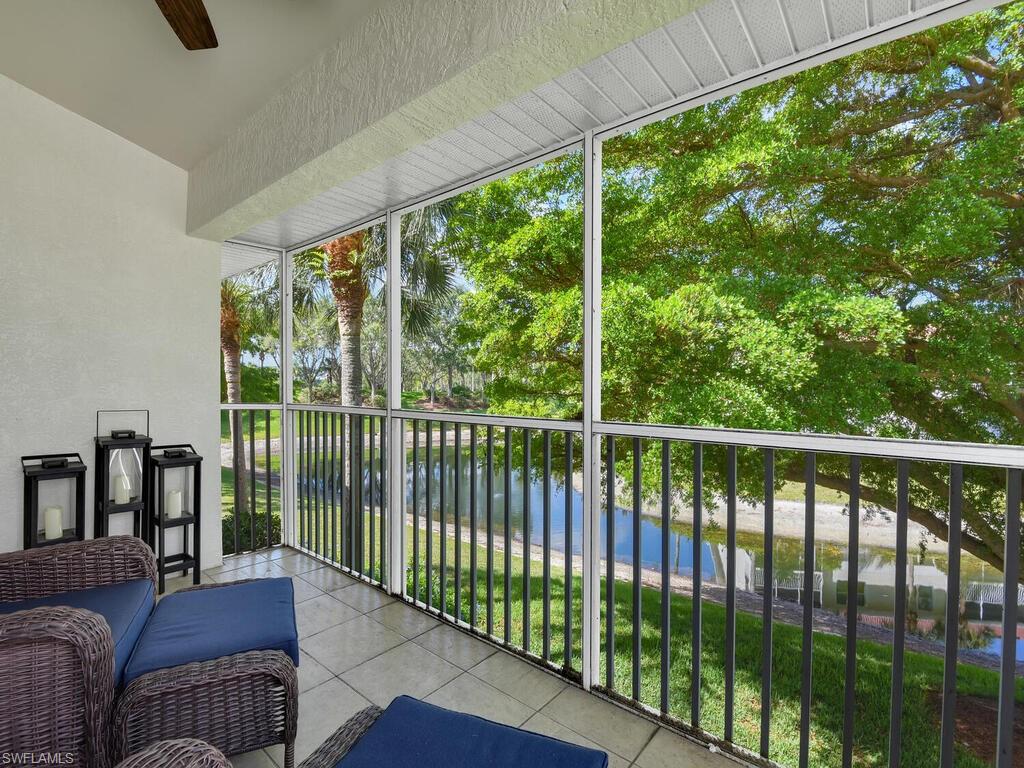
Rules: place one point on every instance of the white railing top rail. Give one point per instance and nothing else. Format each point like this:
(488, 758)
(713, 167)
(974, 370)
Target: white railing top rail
(1010, 456)
(330, 408)
(251, 406)
(518, 422)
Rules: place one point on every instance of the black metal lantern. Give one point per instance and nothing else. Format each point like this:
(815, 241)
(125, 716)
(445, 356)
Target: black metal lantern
(175, 484)
(122, 482)
(54, 499)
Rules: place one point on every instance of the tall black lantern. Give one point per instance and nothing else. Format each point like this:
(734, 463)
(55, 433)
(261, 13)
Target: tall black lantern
(54, 499)
(175, 503)
(122, 482)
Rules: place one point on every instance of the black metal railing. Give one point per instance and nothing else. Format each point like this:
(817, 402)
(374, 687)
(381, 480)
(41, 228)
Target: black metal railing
(780, 595)
(669, 637)
(341, 488)
(491, 531)
(250, 467)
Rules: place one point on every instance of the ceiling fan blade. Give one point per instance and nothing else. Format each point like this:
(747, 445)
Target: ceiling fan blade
(190, 22)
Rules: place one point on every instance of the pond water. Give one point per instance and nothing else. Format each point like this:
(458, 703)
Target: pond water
(980, 588)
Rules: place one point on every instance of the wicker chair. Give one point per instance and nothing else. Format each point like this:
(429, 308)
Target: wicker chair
(177, 753)
(57, 664)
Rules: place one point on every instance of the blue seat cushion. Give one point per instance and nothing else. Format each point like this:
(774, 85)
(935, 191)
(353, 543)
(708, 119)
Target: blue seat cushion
(207, 624)
(414, 734)
(125, 606)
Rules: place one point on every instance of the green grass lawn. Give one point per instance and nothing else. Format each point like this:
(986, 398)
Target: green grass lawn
(227, 502)
(922, 673)
(244, 417)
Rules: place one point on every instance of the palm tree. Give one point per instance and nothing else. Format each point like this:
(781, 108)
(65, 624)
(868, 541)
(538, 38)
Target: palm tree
(249, 308)
(235, 297)
(355, 266)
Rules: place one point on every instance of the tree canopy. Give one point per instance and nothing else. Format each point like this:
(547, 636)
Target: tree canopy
(837, 251)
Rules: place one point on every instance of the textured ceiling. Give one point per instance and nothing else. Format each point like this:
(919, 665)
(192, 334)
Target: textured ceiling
(723, 42)
(117, 63)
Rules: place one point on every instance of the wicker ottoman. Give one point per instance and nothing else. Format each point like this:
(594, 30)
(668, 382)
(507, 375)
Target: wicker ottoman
(234, 698)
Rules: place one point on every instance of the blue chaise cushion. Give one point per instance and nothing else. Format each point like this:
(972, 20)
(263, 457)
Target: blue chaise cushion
(125, 606)
(414, 734)
(207, 624)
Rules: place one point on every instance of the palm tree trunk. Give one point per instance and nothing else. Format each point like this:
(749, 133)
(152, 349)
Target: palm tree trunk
(233, 375)
(350, 331)
(349, 290)
(231, 349)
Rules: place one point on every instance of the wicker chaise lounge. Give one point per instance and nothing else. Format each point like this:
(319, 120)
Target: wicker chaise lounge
(57, 663)
(414, 734)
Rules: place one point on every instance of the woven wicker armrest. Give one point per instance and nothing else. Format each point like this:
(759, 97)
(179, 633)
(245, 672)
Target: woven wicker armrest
(337, 746)
(177, 753)
(236, 703)
(78, 565)
(56, 684)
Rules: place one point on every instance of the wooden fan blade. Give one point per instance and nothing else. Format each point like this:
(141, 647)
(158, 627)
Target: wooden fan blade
(190, 22)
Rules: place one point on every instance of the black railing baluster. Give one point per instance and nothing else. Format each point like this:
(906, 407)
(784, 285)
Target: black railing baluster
(342, 496)
(899, 619)
(357, 482)
(507, 602)
(458, 521)
(252, 479)
(415, 510)
(852, 577)
(948, 729)
(730, 591)
(236, 464)
(1008, 657)
(637, 612)
(442, 512)
(695, 617)
(315, 538)
(353, 499)
(472, 526)
(568, 602)
(383, 500)
(300, 475)
(527, 536)
(810, 479)
(666, 586)
(489, 507)
(546, 607)
(372, 479)
(267, 475)
(328, 484)
(427, 486)
(334, 487)
(768, 581)
(609, 583)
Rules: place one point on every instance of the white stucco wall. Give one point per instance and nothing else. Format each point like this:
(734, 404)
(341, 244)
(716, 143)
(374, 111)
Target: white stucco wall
(104, 300)
(409, 73)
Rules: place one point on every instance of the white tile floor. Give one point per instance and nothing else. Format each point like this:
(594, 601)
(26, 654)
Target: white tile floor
(360, 646)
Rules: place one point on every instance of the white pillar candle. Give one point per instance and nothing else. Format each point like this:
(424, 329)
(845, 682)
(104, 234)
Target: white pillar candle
(53, 522)
(122, 489)
(172, 507)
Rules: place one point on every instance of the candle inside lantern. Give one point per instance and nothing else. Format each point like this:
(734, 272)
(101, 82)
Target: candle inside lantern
(53, 522)
(122, 489)
(173, 504)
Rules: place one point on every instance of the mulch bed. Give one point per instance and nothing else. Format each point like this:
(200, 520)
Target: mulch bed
(977, 723)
